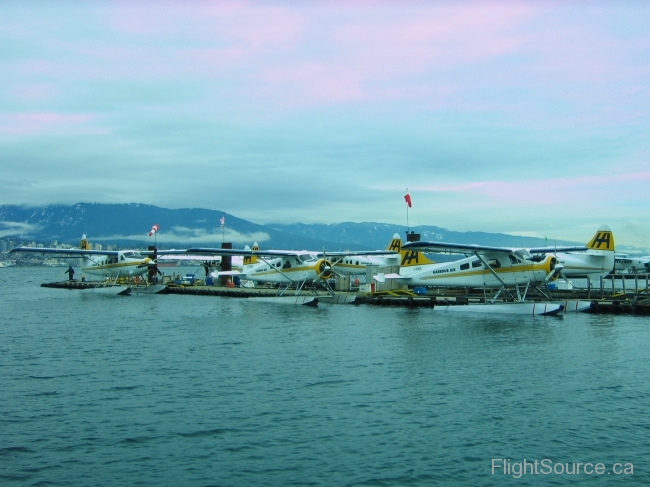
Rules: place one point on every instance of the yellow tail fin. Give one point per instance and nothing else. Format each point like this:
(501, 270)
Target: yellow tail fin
(409, 257)
(84, 244)
(603, 240)
(248, 260)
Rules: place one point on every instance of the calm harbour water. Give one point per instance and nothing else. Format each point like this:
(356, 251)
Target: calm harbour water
(197, 391)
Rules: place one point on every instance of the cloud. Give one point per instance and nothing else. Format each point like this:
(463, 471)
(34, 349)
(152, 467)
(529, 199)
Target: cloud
(17, 229)
(194, 236)
(325, 111)
(39, 123)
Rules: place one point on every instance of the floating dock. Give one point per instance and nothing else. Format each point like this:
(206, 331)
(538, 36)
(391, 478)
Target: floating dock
(621, 303)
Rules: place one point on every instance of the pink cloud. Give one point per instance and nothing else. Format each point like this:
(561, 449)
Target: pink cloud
(37, 123)
(537, 191)
(327, 52)
(375, 55)
(257, 26)
(33, 91)
(509, 57)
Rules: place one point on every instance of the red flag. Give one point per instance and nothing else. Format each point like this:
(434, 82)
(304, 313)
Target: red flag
(154, 229)
(407, 198)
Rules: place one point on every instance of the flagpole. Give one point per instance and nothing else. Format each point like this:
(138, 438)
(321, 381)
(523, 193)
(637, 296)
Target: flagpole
(408, 226)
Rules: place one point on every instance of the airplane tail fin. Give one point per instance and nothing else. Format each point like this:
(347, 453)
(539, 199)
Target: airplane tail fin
(408, 257)
(603, 240)
(84, 244)
(253, 259)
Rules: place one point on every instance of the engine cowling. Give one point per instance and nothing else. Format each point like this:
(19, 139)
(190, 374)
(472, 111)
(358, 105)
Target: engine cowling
(550, 266)
(324, 269)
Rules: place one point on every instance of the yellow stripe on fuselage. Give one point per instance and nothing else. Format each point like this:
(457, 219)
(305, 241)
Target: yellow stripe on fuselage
(483, 272)
(281, 271)
(112, 266)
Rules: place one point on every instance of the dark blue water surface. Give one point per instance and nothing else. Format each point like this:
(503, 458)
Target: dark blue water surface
(196, 391)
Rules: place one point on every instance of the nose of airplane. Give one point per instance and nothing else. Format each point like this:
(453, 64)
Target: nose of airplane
(325, 268)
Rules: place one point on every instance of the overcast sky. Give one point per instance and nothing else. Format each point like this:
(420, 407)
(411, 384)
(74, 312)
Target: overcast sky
(525, 118)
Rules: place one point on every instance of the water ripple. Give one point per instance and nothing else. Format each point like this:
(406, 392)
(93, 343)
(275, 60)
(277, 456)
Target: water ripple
(198, 391)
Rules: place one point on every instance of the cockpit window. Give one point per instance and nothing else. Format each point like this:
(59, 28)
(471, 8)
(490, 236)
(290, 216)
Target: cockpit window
(513, 259)
(132, 255)
(494, 263)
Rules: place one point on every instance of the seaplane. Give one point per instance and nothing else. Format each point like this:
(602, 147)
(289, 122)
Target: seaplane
(109, 264)
(286, 268)
(627, 264)
(505, 268)
(356, 264)
(594, 260)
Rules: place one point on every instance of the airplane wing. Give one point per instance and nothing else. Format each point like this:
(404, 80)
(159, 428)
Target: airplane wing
(552, 250)
(285, 253)
(228, 273)
(354, 253)
(198, 258)
(66, 252)
(248, 253)
(168, 252)
(453, 248)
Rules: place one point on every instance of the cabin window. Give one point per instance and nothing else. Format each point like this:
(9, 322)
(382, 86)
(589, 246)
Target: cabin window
(122, 257)
(513, 259)
(477, 263)
(287, 265)
(494, 263)
(464, 267)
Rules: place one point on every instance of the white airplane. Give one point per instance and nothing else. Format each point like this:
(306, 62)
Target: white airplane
(285, 267)
(104, 263)
(503, 267)
(356, 264)
(593, 261)
(626, 264)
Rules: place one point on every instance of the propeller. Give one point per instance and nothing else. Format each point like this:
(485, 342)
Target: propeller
(324, 269)
(332, 263)
(556, 270)
(152, 265)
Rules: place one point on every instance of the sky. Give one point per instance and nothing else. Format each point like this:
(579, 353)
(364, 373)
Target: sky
(527, 118)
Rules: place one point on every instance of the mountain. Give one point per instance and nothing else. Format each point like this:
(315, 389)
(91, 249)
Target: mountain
(129, 224)
(377, 235)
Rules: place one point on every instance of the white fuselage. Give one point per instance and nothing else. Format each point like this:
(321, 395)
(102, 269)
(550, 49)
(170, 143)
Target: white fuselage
(592, 263)
(286, 269)
(128, 263)
(631, 265)
(471, 272)
(356, 265)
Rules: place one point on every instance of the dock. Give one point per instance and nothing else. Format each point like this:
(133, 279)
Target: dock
(602, 302)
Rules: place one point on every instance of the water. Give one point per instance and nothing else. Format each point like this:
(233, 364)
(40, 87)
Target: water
(197, 391)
